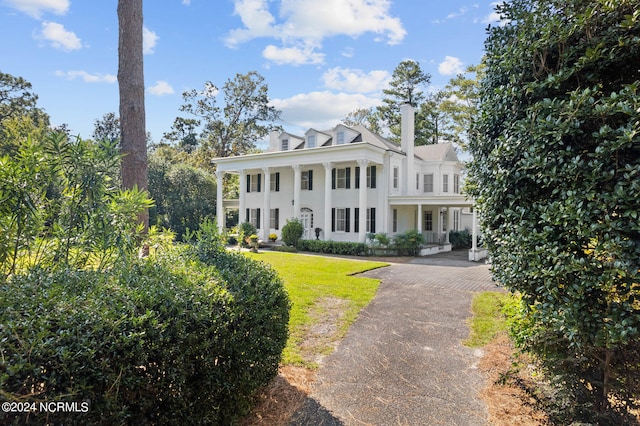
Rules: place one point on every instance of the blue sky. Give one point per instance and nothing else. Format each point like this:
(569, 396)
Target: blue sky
(320, 59)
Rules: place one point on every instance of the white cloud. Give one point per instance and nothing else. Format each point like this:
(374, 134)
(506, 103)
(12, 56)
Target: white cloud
(292, 55)
(35, 8)
(450, 66)
(59, 37)
(354, 80)
(186, 2)
(86, 77)
(494, 17)
(309, 22)
(460, 12)
(161, 88)
(325, 108)
(149, 41)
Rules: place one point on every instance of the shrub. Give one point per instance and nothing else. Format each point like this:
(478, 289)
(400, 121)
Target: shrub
(460, 239)
(556, 173)
(245, 229)
(163, 340)
(408, 243)
(332, 247)
(292, 231)
(286, 249)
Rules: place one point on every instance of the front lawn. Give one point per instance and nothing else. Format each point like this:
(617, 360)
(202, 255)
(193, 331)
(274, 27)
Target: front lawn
(322, 290)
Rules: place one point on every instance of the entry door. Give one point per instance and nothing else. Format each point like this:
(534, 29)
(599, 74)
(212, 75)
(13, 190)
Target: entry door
(306, 217)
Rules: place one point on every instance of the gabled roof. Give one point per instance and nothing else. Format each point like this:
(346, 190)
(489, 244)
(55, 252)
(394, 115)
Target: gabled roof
(369, 137)
(436, 152)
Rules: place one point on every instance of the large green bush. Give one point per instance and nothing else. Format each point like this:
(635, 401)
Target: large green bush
(556, 174)
(408, 243)
(292, 232)
(170, 340)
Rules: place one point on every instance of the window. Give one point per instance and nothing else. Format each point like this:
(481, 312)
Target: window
(253, 217)
(274, 183)
(371, 220)
(311, 141)
(445, 183)
(371, 177)
(340, 219)
(456, 184)
(396, 173)
(253, 183)
(340, 138)
(306, 181)
(395, 220)
(428, 220)
(417, 180)
(285, 144)
(341, 178)
(428, 182)
(274, 219)
(456, 220)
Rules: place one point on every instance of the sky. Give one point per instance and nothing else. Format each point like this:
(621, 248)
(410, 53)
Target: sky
(320, 59)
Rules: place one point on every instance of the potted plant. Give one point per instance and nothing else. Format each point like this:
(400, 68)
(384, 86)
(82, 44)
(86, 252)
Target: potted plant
(252, 240)
(273, 237)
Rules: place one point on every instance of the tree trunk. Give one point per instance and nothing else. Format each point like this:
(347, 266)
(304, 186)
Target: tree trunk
(133, 141)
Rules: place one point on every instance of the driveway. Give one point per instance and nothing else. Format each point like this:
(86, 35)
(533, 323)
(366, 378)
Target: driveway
(403, 361)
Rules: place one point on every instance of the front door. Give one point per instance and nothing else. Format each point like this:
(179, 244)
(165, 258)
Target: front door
(306, 217)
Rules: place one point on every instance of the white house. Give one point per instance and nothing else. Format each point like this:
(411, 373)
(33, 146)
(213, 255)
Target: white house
(348, 182)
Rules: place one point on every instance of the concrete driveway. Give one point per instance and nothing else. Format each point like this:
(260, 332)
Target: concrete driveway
(403, 361)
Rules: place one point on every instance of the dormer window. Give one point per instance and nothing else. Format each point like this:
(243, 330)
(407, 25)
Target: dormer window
(285, 145)
(340, 138)
(311, 141)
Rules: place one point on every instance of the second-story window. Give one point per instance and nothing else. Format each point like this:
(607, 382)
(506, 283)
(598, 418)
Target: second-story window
(456, 184)
(396, 177)
(306, 180)
(445, 183)
(428, 182)
(311, 141)
(340, 138)
(341, 178)
(254, 183)
(285, 144)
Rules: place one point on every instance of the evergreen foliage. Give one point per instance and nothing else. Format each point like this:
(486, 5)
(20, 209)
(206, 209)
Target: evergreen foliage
(556, 174)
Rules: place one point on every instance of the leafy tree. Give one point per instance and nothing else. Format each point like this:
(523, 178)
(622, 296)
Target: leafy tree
(133, 139)
(366, 117)
(292, 232)
(556, 175)
(19, 115)
(107, 128)
(16, 98)
(184, 196)
(232, 129)
(458, 105)
(406, 86)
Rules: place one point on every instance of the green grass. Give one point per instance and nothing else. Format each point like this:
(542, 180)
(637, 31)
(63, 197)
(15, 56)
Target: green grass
(488, 319)
(311, 279)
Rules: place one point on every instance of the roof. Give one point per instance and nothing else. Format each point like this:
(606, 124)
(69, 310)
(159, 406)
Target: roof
(436, 152)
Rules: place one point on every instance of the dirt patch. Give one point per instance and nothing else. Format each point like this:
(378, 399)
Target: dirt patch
(508, 403)
(322, 338)
(279, 401)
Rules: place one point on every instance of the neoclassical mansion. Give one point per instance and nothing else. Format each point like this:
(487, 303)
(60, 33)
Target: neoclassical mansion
(349, 182)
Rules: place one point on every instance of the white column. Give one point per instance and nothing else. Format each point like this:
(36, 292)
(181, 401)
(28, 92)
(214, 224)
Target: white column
(474, 231)
(243, 197)
(296, 190)
(220, 216)
(327, 201)
(362, 201)
(266, 209)
(449, 224)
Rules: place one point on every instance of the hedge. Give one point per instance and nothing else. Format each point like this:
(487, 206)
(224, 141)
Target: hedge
(332, 247)
(157, 342)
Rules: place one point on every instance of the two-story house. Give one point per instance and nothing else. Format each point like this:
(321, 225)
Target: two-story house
(348, 182)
